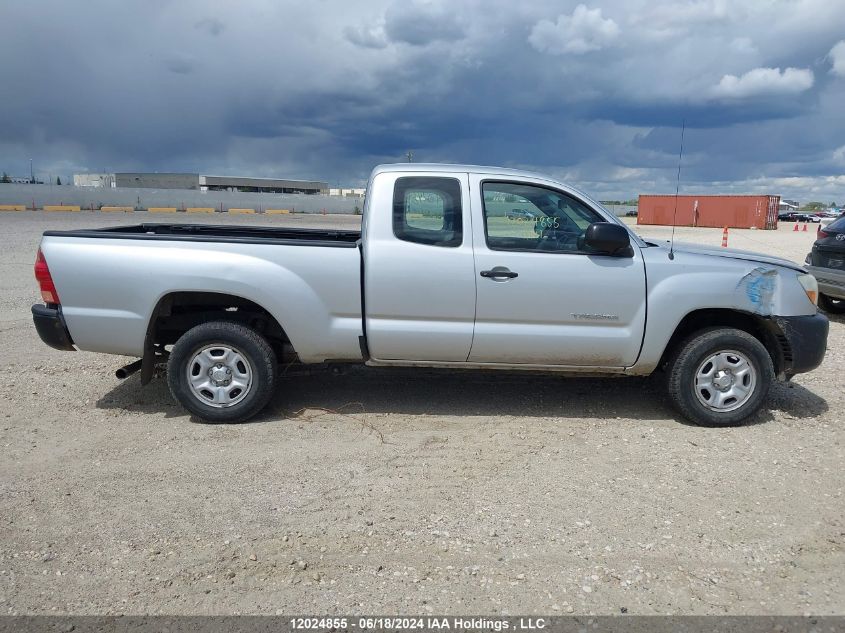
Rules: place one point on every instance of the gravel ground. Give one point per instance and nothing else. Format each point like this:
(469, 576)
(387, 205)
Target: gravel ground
(400, 492)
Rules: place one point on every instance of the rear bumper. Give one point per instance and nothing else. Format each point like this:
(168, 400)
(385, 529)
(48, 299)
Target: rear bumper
(831, 282)
(806, 338)
(50, 325)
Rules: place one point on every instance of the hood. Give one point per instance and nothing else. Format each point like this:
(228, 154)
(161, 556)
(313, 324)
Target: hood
(731, 253)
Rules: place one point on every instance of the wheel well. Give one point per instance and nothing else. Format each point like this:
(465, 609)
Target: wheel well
(178, 312)
(762, 328)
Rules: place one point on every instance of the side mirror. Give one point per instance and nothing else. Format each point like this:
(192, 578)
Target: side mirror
(608, 238)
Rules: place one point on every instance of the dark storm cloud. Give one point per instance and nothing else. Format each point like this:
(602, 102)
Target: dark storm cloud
(180, 65)
(418, 24)
(592, 93)
(698, 113)
(367, 36)
(211, 25)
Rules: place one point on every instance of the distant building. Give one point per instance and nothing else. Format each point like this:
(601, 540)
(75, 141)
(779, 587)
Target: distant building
(346, 192)
(157, 180)
(788, 205)
(94, 180)
(199, 182)
(272, 185)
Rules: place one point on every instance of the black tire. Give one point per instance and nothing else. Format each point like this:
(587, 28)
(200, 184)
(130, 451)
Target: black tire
(260, 367)
(692, 355)
(831, 304)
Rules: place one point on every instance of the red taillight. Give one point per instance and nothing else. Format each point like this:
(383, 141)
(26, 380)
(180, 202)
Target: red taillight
(822, 234)
(45, 281)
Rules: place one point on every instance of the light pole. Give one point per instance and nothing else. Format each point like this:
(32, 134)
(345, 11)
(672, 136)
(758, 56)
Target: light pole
(31, 173)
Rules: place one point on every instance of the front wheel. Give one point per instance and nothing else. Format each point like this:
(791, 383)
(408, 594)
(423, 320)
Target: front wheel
(222, 371)
(720, 377)
(831, 304)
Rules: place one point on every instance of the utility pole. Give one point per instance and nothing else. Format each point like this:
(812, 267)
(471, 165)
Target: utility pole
(410, 156)
(31, 173)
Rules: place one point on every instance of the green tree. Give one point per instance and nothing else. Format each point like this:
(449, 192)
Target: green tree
(5, 178)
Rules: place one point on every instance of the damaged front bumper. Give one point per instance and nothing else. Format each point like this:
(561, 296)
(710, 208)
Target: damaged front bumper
(803, 342)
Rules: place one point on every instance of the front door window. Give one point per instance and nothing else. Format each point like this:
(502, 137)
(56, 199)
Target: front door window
(520, 217)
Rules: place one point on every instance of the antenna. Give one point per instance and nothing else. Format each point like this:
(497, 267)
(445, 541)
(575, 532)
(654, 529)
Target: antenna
(677, 189)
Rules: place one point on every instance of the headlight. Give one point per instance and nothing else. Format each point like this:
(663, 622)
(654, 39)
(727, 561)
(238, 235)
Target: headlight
(811, 287)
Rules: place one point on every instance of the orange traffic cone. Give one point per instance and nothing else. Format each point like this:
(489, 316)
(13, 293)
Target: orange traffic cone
(805, 228)
(796, 227)
(725, 238)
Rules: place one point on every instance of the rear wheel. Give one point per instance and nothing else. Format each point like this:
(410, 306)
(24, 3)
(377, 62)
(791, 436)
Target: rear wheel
(831, 304)
(720, 377)
(222, 372)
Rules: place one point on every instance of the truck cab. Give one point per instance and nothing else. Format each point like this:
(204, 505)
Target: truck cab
(451, 275)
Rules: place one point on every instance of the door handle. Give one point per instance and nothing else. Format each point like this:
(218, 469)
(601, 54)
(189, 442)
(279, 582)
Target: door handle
(499, 272)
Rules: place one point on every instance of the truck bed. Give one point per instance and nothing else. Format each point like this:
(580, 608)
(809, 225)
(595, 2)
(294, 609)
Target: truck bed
(221, 233)
(110, 280)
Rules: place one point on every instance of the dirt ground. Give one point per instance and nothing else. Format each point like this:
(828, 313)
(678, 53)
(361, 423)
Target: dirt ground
(396, 492)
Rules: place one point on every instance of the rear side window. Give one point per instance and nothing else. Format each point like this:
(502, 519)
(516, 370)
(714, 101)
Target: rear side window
(428, 211)
(838, 224)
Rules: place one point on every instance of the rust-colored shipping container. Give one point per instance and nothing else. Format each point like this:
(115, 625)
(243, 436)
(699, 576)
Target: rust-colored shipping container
(741, 212)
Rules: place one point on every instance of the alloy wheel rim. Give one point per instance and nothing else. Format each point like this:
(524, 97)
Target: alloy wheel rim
(725, 381)
(219, 375)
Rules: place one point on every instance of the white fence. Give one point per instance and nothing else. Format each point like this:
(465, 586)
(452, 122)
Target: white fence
(39, 196)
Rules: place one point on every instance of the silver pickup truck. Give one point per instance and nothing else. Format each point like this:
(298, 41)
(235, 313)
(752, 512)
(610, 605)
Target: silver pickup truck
(456, 267)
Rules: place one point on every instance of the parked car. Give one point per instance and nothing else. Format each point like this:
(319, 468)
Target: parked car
(808, 217)
(465, 287)
(788, 216)
(520, 214)
(825, 222)
(631, 214)
(827, 264)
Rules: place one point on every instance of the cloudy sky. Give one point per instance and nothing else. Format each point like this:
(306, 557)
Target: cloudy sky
(591, 92)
